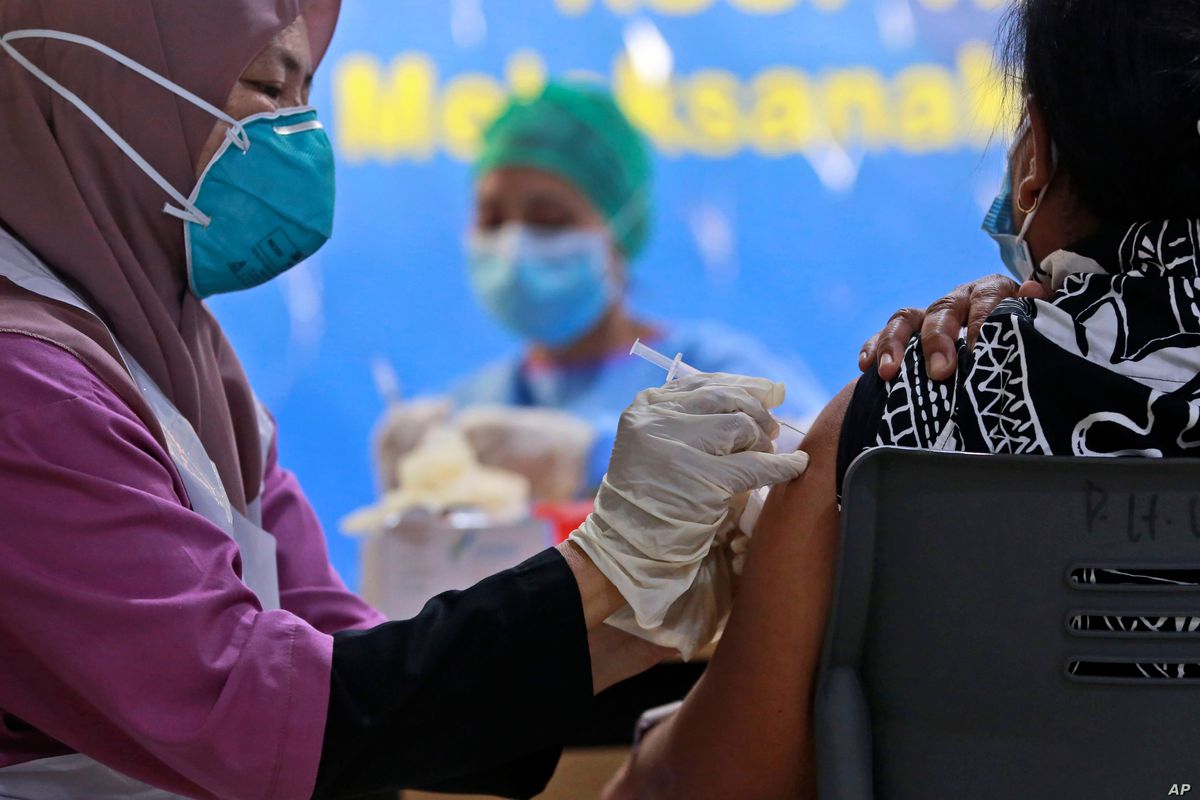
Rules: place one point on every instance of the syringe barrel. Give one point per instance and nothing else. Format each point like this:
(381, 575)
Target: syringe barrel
(674, 366)
(650, 354)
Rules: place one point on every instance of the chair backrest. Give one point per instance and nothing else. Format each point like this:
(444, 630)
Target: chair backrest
(1004, 627)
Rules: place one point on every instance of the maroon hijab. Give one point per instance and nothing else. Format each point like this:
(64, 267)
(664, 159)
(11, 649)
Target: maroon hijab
(78, 202)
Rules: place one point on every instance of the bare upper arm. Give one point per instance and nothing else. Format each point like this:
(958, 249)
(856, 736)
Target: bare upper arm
(744, 730)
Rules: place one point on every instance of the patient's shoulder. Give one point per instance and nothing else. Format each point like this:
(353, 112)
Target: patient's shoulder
(823, 441)
(816, 491)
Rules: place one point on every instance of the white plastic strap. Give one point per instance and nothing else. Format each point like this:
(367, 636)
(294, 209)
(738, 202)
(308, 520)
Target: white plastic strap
(188, 210)
(1022, 129)
(628, 215)
(299, 127)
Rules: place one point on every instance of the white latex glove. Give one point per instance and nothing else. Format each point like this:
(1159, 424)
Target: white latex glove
(400, 430)
(694, 619)
(698, 616)
(683, 454)
(549, 447)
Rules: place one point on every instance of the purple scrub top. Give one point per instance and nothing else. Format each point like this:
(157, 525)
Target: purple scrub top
(125, 631)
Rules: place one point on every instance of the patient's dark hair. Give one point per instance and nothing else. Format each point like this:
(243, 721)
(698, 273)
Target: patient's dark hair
(1119, 84)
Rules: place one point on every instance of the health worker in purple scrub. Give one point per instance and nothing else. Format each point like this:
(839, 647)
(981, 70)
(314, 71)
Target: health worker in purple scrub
(170, 625)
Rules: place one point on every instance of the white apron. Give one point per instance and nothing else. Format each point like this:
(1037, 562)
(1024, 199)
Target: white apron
(78, 776)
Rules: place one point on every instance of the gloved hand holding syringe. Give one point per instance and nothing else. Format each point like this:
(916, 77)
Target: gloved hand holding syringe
(787, 441)
(663, 529)
(789, 436)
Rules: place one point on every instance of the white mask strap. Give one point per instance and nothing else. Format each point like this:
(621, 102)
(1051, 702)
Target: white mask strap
(1026, 125)
(1028, 223)
(188, 210)
(626, 217)
(1022, 129)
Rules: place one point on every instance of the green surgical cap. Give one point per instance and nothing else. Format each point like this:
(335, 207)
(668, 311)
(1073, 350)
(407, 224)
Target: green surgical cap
(576, 131)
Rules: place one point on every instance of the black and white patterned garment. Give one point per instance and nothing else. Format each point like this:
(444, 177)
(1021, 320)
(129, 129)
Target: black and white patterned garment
(1110, 366)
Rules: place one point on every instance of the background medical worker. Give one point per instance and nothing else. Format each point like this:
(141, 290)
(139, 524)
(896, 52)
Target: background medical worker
(563, 207)
(169, 621)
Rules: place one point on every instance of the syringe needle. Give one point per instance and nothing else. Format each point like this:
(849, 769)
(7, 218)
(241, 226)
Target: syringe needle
(790, 427)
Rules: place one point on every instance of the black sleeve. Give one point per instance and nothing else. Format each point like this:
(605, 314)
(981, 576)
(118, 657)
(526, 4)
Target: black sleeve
(474, 694)
(860, 427)
(525, 777)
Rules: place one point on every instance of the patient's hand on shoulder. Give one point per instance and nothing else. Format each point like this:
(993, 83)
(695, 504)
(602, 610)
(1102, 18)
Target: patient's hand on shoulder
(941, 325)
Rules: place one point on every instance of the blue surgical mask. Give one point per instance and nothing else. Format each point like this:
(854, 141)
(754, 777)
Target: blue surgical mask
(264, 202)
(999, 223)
(546, 286)
(1014, 249)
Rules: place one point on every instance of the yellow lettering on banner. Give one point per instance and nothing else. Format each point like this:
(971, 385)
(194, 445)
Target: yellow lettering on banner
(784, 116)
(829, 5)
(470, 103)
(764, 6)
(402, 112)
(681, 8)
(925, 109)
(649, 106)
(573, 8)
(711, 100)
(526, 73)
(385, 116)
(856, 106)
(985, 109)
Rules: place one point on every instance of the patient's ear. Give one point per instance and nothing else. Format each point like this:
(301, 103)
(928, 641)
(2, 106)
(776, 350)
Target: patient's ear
(1061, 216)
(1033, 163)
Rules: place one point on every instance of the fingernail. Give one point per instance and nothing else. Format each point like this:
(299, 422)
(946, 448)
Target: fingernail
(886, 360)
(938, 363)
(862, 358)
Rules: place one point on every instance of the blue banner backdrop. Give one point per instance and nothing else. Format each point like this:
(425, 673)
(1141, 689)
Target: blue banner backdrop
(820, 163)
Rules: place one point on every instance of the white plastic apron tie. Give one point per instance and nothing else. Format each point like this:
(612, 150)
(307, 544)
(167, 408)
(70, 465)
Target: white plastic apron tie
(76, 775)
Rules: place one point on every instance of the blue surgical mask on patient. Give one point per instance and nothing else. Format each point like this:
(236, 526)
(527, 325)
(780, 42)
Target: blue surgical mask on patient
(1000, 225)
(1014, 249)
(551, 287)
(263, 204)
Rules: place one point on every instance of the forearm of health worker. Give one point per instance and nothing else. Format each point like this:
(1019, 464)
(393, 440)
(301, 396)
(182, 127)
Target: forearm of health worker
(476, 692)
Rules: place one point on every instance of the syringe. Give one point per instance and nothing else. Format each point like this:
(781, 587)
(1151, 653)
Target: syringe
(788, 440)
(676, 368)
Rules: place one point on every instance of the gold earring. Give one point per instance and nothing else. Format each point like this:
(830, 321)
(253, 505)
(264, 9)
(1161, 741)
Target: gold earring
(1036, 200)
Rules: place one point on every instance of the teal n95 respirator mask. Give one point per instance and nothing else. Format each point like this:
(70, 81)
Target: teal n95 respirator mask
(263, 204)
(548, 286)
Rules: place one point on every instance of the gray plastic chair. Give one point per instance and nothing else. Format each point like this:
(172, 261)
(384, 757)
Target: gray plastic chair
(947, 670)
